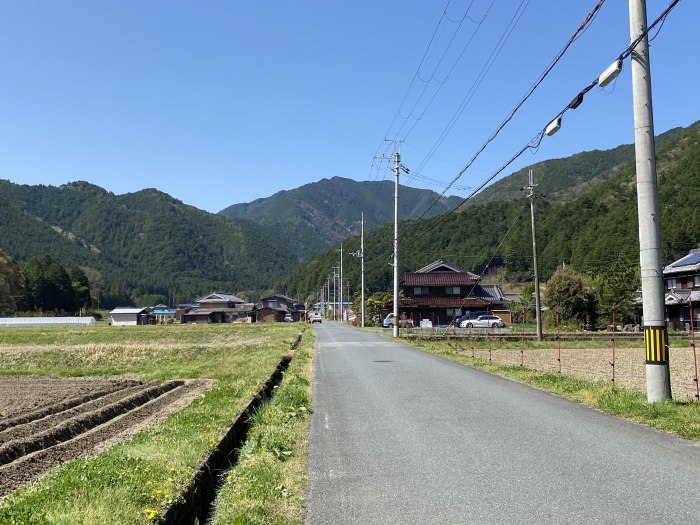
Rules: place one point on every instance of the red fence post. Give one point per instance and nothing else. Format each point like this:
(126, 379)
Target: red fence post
(559, 338)
(522, 339)
(613, 345)
(692, 344)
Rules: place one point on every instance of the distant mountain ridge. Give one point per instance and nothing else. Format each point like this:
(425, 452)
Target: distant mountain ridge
(144, 242)
(309, 219)
(148, 243)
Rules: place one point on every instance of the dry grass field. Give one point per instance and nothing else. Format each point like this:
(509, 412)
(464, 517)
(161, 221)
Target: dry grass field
(595, 364)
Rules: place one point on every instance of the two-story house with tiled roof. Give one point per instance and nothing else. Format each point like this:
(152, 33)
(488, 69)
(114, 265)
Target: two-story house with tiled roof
(219, 307)
(443, 291)
(682, 285)
(275, 307)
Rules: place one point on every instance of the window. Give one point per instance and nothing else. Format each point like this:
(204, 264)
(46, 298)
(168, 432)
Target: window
(670, 284)
(452, 290)
(421, 290)
(454, 312)
(272, 304)
(697, 280)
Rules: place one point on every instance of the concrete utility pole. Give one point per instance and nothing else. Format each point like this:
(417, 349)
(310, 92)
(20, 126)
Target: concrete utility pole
(340, 291)
(397, 167)
(653, 305)
(362, 265)
(335, 295)
(361, 255)
(538, 305)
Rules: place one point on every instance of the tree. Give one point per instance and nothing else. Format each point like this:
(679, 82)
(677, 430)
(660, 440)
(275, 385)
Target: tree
(48, 286)
(617, 285)
(11, 285)
(81, 288)
(575, 300)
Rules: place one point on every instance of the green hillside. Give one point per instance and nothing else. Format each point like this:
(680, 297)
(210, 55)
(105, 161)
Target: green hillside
(567, 178)
(591, 232)
(144, 242)
(308, 219)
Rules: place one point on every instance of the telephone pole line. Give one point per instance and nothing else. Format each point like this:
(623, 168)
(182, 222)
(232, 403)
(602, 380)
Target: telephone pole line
(653, 304)
(361, 255)
(538, 306)
(397, 167)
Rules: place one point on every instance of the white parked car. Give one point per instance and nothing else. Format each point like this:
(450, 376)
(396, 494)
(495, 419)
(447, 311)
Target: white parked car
(403, 323)
(483, 321)
(315, 318)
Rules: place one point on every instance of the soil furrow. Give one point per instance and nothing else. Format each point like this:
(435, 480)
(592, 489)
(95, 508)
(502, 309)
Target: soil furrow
(30, 467)
(79, 424)
(57, 408)
(37, 426)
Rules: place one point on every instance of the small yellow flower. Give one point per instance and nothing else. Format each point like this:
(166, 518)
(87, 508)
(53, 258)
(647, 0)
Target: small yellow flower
(150, 513)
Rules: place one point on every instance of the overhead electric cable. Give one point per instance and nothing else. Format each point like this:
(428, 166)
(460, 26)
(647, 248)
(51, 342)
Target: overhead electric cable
(524, 98)
(534, 143)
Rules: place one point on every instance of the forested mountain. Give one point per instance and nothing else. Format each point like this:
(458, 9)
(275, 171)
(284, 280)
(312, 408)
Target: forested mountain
(147, 244)
(593, 232)
(140, 243)
(308, 219)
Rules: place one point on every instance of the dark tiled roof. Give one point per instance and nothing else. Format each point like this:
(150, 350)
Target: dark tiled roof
(441, 302)
(437, 279)
(444, 266)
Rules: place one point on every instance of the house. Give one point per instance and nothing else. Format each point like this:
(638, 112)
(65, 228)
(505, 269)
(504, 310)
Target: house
(163, 314)
(443, 291)
(274, 307)
(131, 316)
(219, 307)
(682, 285)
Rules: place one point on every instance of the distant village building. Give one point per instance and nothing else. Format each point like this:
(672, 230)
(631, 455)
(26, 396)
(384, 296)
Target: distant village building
(274, 308)
(219, 307)
(131, 316)
(163, 314)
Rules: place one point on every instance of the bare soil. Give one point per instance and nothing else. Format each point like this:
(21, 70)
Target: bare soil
(596, 364)
(45, 421)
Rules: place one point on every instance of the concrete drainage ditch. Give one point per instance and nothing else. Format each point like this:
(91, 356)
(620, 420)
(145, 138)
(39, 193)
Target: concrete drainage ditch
(197, 502)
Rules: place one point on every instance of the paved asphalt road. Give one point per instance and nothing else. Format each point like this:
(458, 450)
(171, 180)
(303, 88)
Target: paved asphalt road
(401, 436)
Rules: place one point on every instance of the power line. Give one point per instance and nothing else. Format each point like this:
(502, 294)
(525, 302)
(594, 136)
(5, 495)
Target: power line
(535, 142)
(432, 76)
(589, 18)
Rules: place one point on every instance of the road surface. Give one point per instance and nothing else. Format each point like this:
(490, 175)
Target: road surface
(401, 436)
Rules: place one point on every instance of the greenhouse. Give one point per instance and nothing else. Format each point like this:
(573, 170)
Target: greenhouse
(11, 322)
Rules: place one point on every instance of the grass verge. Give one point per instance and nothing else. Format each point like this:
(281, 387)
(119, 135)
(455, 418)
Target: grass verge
(680, 418)
(133, 482)
(267, 485)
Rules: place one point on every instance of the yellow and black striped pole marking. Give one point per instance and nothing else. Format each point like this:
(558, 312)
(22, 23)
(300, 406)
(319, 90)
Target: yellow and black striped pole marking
(656, 342)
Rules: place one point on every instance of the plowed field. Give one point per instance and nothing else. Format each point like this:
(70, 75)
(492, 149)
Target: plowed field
(45, 421)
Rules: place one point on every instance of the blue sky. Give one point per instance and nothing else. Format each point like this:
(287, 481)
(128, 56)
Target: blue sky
(220, 102)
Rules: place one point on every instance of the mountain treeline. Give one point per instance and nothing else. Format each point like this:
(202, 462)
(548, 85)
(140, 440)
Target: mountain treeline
(143, 245)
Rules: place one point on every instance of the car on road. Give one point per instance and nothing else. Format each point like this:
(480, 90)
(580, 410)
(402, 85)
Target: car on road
(403, 323)
(483, 321)
(315, 318)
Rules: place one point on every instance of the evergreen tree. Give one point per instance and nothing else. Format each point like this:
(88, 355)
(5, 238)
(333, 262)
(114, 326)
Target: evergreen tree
(567, 293)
